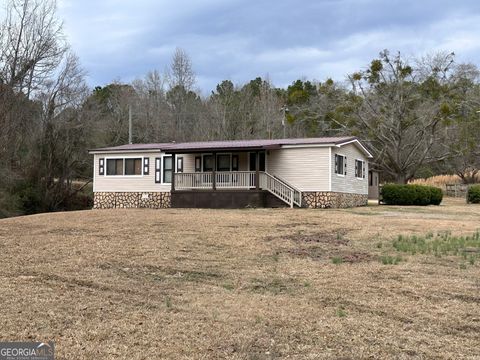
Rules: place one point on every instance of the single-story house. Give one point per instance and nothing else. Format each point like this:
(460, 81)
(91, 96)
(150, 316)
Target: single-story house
(328, 172)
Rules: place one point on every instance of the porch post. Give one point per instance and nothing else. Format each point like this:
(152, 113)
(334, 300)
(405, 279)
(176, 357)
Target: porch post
(174, 170)
(214, 176)
(257, 170)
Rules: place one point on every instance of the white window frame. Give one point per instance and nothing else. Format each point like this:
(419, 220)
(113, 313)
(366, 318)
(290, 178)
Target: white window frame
(162, 180)
(343, 165)
(364, 169)
(123, 158)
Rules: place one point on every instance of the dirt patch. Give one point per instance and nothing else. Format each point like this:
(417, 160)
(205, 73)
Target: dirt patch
(356, 257)
(322, 254)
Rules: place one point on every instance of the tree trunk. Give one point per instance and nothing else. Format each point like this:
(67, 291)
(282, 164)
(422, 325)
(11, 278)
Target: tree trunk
(401, 178)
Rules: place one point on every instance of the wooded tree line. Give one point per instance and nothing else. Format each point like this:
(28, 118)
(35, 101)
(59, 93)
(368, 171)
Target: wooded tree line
(419, 117)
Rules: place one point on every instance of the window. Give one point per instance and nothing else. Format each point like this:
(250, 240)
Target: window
(208, 163)
(133, 166)
(126, 166)
(114, 166)
(360, 169)
(340, 164)
(223, 162)
(180, 164)
(167, 169)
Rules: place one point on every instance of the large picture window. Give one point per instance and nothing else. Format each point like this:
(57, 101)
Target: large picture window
(128, 166)
(133, 166)
(114, 166)
(167, 169)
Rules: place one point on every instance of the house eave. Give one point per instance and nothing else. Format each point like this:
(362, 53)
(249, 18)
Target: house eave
(119, 151)
(219, 149)
(359, 144)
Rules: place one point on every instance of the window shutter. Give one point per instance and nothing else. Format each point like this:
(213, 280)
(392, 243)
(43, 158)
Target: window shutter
(336, 164)
(146, 165)
(158, 162)
(356, 167)
(198, 163)
(345, 164)
(363, 169)
(101, 166)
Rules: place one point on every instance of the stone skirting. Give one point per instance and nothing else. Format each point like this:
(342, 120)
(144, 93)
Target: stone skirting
(328, 199)
(124, 200)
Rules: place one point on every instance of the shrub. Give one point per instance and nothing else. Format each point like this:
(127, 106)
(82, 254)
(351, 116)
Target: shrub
(29, 197)
(436, 195)
(473, 195)
(398, 194)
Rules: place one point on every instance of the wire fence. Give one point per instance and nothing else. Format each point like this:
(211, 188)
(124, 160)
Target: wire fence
(457, 190)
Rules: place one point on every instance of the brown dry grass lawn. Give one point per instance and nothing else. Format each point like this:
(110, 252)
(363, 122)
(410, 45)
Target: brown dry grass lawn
(239, 284)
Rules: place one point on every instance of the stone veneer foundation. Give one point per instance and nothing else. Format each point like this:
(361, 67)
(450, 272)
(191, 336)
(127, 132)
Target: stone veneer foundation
(123, 200)
(328, 199)
(162, 200)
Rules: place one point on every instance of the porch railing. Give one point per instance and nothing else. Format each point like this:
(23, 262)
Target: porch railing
(235, 179)
(198, 180)
(223, 180)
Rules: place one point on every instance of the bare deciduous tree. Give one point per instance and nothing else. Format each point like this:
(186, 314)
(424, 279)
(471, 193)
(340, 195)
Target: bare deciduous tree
(31, 44)
(181, 71)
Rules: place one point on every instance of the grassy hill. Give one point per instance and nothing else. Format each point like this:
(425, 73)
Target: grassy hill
(244, 284)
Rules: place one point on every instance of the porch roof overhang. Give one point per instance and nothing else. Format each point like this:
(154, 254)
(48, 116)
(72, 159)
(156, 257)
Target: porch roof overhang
(211, 149)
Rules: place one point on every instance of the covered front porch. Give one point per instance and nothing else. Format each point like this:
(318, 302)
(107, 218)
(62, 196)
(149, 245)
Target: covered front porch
(227, 179)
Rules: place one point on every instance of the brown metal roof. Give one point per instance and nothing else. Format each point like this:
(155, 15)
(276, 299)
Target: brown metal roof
(132, 147)
(228, 144)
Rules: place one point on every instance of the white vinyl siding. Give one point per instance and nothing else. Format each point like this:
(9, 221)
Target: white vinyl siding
(132, 183)
(349, 183)
(188, 162)
(307, 169)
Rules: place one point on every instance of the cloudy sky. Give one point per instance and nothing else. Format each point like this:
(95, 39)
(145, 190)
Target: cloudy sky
(283, 39)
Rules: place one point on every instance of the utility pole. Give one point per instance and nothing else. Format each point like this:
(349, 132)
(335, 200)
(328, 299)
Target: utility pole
(129, 124)
(284, 110)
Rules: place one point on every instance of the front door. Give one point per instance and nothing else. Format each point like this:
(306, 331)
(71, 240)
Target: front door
(253, 161)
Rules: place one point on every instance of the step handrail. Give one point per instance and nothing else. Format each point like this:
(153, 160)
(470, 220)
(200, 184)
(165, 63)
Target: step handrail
(284, 192)
(285, 182)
